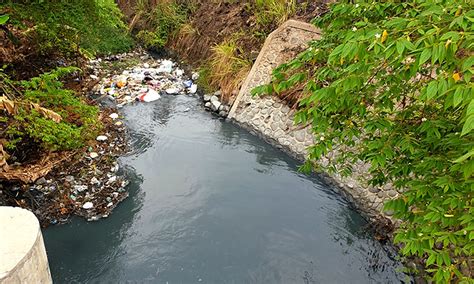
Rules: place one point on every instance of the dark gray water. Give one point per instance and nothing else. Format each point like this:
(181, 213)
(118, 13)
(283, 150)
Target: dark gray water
(210, 203)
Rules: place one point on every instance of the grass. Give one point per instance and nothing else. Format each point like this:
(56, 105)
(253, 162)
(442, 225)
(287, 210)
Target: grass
(226, 69)
(160, 21)
(273, 12)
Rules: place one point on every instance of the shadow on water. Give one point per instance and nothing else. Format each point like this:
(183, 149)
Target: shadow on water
(211, 203)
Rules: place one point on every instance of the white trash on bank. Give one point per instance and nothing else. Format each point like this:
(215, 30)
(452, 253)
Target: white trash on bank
(147, 83)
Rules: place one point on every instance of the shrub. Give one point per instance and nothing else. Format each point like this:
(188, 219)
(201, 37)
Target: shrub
(161, 20)
(393, 81)
(88, 26)
(78, 123)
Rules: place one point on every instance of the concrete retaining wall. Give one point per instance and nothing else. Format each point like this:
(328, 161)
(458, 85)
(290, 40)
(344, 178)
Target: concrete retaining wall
(272, 119)
(22, 252)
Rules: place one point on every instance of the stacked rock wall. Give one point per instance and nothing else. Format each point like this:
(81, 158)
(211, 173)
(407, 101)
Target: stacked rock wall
(271, 118)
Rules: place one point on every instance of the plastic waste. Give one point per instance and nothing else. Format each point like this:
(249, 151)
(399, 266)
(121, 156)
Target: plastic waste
(114, 116)
(101, 138)
(179, 72)
(149, 96)
(121, 82)
(188, 83)
(88, 205)
(172, 91)
(193, 89)
(166, 66)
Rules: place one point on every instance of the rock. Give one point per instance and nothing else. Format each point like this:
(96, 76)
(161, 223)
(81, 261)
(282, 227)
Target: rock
(300, 136)
(207, 98)
(195, 76)
(93, 155)
(374, 189)
(214, 99)
(223, 113)
(208, 105)
(392, 193)
(274, 126)
(382, 194)
(146, 65)
(221, 108)
(215, 105)
(218, 93)
(101, 138)
(41, 181)
(88, 205)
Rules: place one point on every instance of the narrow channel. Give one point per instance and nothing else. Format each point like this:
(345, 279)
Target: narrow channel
(211, 203)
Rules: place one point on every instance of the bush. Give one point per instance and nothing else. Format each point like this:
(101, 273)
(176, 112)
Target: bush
(161, 20)
(393, 81)
(77, 124)
(87, 26)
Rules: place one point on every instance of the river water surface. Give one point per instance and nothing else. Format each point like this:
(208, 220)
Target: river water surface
(210, 203)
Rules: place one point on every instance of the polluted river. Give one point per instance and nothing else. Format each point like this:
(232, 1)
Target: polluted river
(211, 203)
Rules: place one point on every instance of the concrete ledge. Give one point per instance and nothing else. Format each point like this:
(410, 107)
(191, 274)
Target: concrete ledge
(22, 252)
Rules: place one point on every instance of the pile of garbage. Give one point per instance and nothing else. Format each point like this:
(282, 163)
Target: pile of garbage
(147, 83)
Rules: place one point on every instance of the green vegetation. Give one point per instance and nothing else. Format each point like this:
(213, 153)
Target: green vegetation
(160, 21)
(393, 81)
(226, 69)
(40, 111)
(48, 114)
(87, 26)
(273, 12)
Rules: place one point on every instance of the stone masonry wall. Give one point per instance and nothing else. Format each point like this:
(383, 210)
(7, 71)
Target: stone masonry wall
(272, 119)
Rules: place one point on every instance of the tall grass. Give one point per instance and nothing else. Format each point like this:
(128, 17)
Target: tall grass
(227, 68)
(270, 12)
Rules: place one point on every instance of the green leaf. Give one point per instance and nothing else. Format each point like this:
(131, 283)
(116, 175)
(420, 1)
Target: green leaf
(432, 89)
(400, 47)
(425, 56)
(468, 63)
(468, 125)
(457, 99)
(464, 157)
(4, 19)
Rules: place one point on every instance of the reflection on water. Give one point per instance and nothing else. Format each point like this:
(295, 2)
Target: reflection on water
(210, 203)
